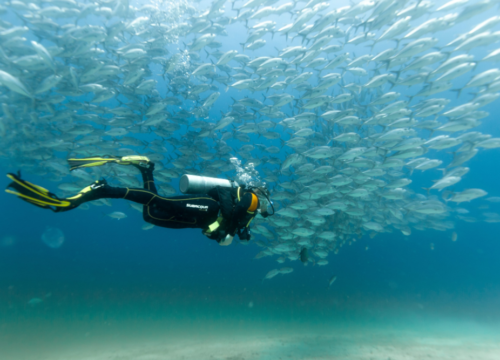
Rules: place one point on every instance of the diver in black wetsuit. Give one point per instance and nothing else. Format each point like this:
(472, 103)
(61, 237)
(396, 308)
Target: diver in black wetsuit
(221, 213)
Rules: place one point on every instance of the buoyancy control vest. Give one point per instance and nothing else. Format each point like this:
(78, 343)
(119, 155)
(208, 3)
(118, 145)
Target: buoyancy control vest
(238, 208)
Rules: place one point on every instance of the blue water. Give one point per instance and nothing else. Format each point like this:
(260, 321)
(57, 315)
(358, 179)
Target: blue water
(112, 287)
(112, 284)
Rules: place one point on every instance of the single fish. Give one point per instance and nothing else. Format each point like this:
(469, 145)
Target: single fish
(332, 280)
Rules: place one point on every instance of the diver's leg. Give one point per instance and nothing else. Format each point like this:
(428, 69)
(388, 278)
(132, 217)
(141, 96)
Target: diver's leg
(100, 189)
(147, 177)
(105, 191)
(174, 212)
(141, 196)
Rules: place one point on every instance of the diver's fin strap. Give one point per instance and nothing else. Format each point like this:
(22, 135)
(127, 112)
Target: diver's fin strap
(95, 185)
(134, 159)
(214, 226)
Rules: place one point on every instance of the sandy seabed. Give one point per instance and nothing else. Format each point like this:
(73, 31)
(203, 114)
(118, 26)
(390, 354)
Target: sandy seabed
(368, 347)
(397, 339)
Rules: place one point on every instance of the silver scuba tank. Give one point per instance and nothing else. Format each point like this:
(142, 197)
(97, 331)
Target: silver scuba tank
(193, 184)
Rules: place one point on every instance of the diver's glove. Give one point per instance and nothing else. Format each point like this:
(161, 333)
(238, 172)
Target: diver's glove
(227, 240)
(216, 235)
(244, 234)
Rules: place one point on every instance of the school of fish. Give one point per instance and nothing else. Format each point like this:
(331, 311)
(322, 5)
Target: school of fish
(335, 107)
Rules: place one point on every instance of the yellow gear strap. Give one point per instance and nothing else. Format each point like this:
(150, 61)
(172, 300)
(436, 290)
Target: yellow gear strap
(215, 225)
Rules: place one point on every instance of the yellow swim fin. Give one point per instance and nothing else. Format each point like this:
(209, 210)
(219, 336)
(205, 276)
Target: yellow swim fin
(43, 198)
(102, 160)
(91, 161)
(36, 195)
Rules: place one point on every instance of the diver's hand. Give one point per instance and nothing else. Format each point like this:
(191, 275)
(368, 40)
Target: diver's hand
(227, 240)
(244, 234)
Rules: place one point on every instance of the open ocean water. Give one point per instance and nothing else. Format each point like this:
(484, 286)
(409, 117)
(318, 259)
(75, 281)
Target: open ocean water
(107, 289)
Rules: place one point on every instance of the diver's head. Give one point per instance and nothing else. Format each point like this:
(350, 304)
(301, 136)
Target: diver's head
(264, 201)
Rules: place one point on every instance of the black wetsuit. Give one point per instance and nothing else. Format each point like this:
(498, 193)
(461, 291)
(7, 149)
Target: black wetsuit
(189, 211)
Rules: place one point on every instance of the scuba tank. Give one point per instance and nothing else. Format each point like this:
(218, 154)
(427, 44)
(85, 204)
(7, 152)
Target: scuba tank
(193, 184)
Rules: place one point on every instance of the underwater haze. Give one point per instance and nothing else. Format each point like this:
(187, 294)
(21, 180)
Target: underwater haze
(374, 125)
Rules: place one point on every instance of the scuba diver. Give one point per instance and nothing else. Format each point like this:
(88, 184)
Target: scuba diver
(220, 211)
